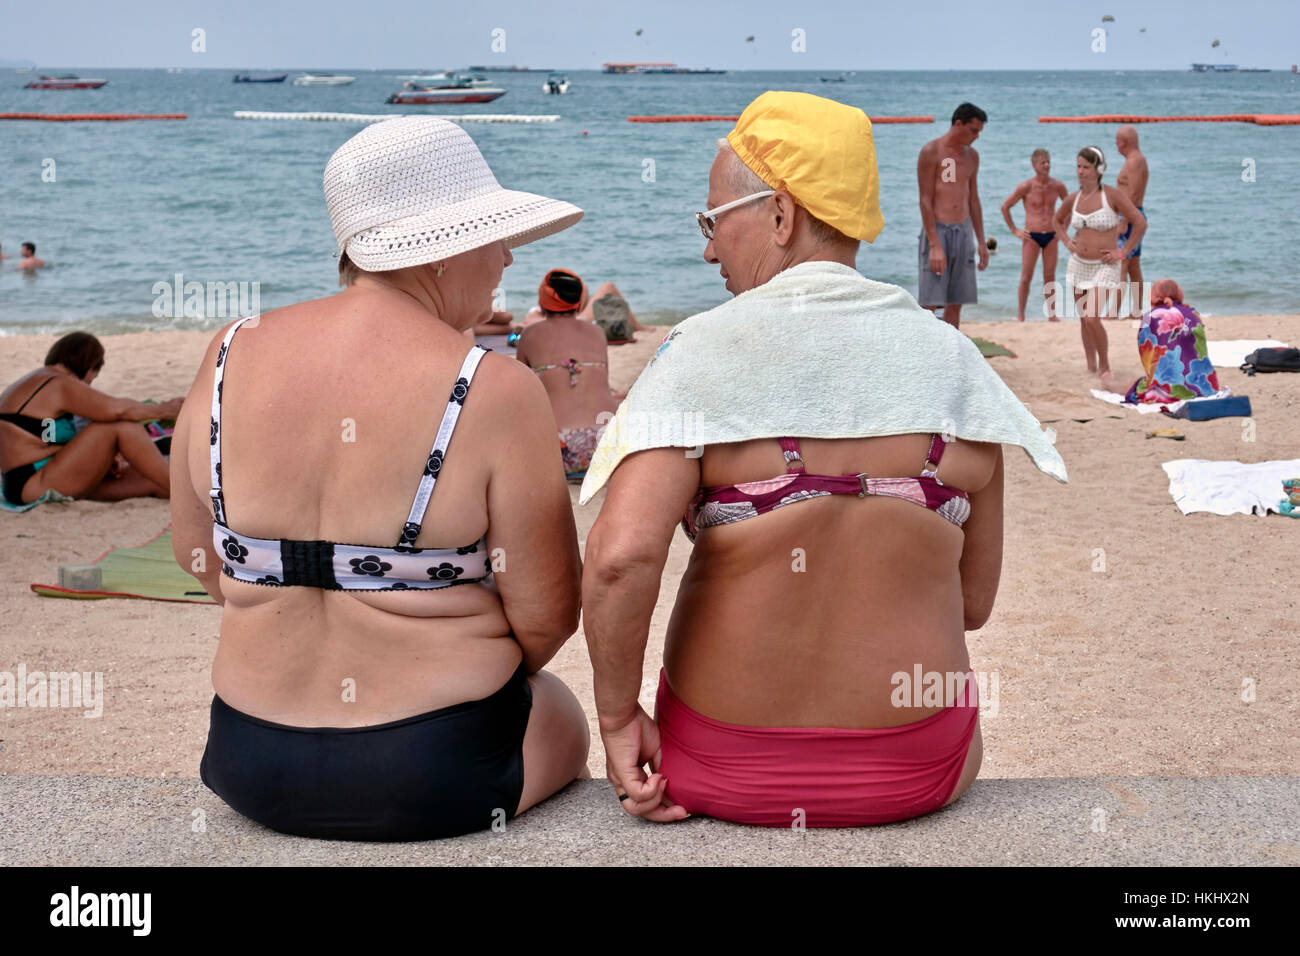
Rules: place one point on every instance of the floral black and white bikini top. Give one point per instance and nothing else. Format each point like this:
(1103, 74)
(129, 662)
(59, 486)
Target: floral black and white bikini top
(350, 567)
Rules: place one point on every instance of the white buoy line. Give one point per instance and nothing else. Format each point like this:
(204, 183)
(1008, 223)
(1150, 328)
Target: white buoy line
(379, 117)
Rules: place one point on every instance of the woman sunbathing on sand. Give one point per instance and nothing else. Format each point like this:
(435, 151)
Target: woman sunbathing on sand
(110, 459)
(607, 309)
(571, 358)
(1093, 274)
(379, 672)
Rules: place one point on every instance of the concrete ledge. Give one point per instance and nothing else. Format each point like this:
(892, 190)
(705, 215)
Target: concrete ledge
(49, 820)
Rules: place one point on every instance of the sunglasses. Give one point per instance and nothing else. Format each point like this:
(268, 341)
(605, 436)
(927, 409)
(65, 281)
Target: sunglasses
(707, 220)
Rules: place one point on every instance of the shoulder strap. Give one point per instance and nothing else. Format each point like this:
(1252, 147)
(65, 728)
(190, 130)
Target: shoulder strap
(433, 467)
(34, 394)
(793, 460)
(214, 427)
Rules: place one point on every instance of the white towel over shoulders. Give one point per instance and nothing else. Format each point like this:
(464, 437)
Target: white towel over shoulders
(818, 351)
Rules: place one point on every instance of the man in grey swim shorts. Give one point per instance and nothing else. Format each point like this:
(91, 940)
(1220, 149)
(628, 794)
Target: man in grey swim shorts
(952, 222)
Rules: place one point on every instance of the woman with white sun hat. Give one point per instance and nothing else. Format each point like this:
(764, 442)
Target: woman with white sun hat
(344, 709)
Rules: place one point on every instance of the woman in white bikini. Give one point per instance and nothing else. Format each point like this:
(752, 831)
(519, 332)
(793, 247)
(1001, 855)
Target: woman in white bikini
(1095, 254)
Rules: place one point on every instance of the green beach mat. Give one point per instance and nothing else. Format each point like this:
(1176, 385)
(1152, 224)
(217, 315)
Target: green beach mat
(149, 571)
(990, 349)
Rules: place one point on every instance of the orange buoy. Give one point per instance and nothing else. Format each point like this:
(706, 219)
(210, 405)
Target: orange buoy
(1262, 119)
(80, 117)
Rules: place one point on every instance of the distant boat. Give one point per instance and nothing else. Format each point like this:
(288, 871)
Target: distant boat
(64, 82)
(427, 77)
(680, 69)
(833, 79)
(641, 68)
(323, 79)
(459, 91)
(1214, 67)
(556, 84)
(246, 78)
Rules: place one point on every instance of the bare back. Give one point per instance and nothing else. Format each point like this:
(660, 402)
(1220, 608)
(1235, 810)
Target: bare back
(18, 446)
(328, 415)
(755, 640)
(578, 399)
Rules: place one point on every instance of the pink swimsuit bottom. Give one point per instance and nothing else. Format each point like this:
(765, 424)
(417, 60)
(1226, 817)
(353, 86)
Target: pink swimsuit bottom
(836, 777)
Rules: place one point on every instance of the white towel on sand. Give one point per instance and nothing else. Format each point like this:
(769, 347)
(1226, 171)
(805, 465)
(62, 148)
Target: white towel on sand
(1146, 408)
(1230, 353)
(818, 351)
(1228, 487)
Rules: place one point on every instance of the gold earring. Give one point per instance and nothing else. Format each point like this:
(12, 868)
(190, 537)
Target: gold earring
(441, 267)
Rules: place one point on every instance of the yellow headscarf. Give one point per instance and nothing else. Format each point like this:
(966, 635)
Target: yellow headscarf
(819, 151)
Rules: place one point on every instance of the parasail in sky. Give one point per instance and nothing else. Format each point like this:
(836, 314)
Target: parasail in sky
(1215, 43)
(639, 31)
(1108, 19)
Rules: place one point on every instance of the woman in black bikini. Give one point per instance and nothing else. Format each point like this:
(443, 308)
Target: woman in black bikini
(111, 459)
(384, 521)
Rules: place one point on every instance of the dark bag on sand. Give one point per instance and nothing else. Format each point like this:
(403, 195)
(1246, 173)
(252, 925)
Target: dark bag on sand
(1272, 360)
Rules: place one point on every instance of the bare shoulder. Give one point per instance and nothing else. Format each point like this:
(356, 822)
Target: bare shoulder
(1059, 188)
(508, 385)
(594, 333)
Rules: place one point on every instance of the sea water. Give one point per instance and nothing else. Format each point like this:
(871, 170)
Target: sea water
(121, 209)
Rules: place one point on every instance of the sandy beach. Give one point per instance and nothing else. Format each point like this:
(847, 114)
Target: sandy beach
(1134, 670)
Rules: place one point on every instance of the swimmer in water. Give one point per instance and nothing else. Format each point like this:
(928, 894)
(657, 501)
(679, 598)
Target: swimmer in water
(29, 260)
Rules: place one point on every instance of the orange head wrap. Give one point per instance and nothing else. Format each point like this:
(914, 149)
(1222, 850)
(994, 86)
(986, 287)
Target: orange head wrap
(551, 300)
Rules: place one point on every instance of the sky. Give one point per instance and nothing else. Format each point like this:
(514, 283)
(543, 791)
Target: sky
(583, 34)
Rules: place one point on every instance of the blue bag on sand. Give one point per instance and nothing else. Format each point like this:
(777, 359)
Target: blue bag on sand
(1218, 408)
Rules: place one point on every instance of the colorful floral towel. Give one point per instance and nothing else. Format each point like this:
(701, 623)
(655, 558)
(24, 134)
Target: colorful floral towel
(1172, 347)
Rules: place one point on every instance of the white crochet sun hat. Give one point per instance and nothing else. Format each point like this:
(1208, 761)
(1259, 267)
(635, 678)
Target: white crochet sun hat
(415, 189)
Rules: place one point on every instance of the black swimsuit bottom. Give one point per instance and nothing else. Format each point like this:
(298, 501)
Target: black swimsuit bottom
(440, 774)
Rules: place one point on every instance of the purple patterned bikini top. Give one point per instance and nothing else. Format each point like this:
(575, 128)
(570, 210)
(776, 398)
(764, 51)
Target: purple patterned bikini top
(726, 504)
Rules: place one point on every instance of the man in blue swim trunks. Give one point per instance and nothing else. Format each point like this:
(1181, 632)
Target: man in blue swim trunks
(952, 224)
(1040, 193)
(1133, 182)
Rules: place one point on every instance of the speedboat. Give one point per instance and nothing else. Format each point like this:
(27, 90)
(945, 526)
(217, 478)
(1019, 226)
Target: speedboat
(323, 79)
(245, 78)
(556, 84)
(460, 91)
(442, 77)
(64, 82)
